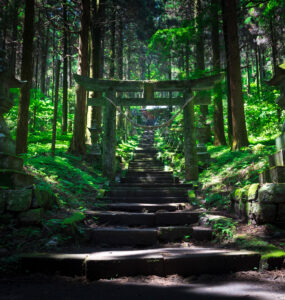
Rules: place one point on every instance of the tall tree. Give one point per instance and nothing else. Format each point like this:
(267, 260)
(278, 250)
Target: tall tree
(219, 131)
(240, 139)
(65, 61)
(26, 74)
(77, 145)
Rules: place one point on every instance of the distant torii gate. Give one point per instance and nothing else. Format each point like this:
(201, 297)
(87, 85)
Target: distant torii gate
(114, 89)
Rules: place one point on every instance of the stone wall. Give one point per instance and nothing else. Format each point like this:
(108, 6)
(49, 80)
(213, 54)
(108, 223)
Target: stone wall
(27, 205)
(264, 202)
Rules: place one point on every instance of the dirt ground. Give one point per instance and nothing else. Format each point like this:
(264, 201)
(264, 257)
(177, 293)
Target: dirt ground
(263, 285)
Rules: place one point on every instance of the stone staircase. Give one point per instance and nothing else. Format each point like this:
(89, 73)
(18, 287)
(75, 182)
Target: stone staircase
(140, 229)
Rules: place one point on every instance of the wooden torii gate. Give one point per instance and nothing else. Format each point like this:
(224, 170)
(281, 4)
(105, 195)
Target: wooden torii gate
(115, 89)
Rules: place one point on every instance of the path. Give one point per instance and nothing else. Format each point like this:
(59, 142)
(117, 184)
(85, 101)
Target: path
(147, 212)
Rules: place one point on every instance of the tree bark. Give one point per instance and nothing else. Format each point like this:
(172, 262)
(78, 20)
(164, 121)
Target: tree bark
(26, 74)
(219, 130)
(113, 48)
(44, 52)
(234, 71)
(54, 122)
(79, 131)
(64, 79)
(15, 6)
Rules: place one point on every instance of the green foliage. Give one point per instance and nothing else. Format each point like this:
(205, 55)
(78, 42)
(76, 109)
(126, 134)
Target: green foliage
(224, 229)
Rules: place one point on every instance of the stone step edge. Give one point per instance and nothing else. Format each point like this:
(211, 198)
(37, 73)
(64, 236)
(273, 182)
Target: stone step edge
(95, 268)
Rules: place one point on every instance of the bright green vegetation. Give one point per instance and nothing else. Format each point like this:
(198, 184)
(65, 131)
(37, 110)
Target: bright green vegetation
(266, 249)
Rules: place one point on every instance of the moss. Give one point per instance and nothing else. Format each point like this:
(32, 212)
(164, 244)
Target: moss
(74, 218)
(274, 254)
(252, 191)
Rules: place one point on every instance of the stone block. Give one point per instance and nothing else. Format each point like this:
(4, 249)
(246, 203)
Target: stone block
(272, 193)
(10, 162)
(277, 159)
(277, 174)
(43, 198)
(19, 200)
(264, 177)
(280, 142)
(263, 213)
(204, 156)
(15, 178)
(32, 216)
(281, 212)
(252, 192)
(3, 200)
(6, 218)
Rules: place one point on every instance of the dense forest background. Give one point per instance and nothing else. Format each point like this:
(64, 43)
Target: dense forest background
(141, 40)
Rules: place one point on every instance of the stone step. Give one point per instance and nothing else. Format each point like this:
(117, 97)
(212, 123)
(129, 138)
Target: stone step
(159, 261)
(141, 169)
(142, 207)
(159, 174)
(144, 219)
(121, 192)
(146, 151)
(150, 200)
(147, 180)
(153, 185)
(146, 163)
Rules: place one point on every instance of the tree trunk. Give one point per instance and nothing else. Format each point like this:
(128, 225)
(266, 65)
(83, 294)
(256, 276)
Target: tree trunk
(79, 131)
(15, 6)
(44, 52)
(120, 69)
(113, 49)
(247, 71)
(26, 74)
(233, 61)
(257, 71)
(54, 122)
(96, 31)
(64, 79)
(273, 47)
(219, 130)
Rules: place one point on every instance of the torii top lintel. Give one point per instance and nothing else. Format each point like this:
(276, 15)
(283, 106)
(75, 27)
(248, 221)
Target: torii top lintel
(104, 85)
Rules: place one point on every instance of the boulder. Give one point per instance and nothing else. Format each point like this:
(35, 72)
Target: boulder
(19, 200)
(32, 216)
(272, 193)
(262, 212)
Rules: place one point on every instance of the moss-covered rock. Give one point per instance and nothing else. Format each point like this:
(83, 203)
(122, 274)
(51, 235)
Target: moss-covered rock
(252, 192)
(32, 216)
(263, 213)
(272, 193)
(19, 200)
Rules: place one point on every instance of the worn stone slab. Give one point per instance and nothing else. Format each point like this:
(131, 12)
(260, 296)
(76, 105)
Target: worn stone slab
(138, 207)
(122, 218)
(65, 264)
(123, 263)
(115, 236)
(147, 199)
(147, 193)
(211, 262)
(200, 233)
(174, 233)
(176, 218)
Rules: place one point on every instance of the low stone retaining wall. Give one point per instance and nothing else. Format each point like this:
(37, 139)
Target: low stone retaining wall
(27, 205)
